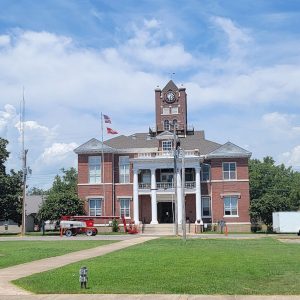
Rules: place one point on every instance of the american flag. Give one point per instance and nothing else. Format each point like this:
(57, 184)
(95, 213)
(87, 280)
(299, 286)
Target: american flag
(106, 119)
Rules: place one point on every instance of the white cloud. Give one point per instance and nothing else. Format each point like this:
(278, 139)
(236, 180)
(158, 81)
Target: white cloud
(292, 158)
(7, 116)
(152, 44)
(58, 152)
(4, 40)
(281, 125)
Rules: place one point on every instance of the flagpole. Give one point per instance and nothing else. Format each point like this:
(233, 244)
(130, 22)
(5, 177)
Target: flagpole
(103, 184)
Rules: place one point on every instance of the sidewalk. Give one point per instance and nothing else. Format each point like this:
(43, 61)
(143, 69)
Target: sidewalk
(27, 269)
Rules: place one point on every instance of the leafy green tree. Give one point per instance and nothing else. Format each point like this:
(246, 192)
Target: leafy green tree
(62, 198)
(272, 188)
(10, 188)
(34, 191)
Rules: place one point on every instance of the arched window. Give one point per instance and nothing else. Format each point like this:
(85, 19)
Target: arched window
(166, 125)
(175, 123)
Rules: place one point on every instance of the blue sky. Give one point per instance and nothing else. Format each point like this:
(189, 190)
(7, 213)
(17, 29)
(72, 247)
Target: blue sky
(239, 60)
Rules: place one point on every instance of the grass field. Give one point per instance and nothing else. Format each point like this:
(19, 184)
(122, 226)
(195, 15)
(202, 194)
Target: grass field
(18, 252)
(210, 266)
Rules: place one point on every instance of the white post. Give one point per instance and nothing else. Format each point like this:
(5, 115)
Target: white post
(136, 197)
(198, 194)
(153, 198)
(179, 197)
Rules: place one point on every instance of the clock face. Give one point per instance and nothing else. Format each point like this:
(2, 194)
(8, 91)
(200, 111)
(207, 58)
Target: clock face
(170, 97)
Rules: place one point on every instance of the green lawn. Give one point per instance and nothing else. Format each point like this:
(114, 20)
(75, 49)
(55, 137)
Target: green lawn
(18, 252)
(260, 266)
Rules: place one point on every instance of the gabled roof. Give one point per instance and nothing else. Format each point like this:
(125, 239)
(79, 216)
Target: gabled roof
(93, 146)
(170, 86)
(33, 203)
(165, 135)
(229, 150)
(134, 141)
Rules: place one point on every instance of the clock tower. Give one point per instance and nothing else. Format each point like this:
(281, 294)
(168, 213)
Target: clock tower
(171, 110)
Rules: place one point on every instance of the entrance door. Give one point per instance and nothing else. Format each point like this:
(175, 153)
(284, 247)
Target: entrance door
(165, 212)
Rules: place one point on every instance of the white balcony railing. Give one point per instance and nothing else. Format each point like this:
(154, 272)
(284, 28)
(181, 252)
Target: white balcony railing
(165, 154)
(144, 186)
(166, 185)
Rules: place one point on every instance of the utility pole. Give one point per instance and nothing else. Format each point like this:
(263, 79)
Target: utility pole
(24, 164)
(183, 197)
(175, 155)
(23, 231)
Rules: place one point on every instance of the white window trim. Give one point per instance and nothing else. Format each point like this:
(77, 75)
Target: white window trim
(229, 162)
(166, 142)
(125, 198)
(124, 175)
(101, 198)
(237, 206)
(89, 164)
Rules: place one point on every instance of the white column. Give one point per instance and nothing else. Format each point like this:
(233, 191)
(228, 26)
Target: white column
(153, 198)
(136, 197)
(179, 197)
(198, 194)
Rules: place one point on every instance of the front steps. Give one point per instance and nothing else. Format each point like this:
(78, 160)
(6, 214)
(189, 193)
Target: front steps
(164, 229)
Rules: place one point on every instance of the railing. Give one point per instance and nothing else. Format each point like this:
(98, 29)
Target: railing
(166, 185)
(167, 153)
(144, 186)
(190, 184)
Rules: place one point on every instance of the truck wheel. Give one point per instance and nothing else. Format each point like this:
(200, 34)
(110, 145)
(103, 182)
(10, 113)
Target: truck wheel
(68, 233)
(89, 232)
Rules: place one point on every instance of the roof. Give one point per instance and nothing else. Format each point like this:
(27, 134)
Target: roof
(229, 150)
(144, 141)
(33, 203)
(93, 146)
(170, 86)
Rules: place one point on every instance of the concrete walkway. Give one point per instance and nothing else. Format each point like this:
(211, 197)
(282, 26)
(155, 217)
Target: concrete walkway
(27, 269)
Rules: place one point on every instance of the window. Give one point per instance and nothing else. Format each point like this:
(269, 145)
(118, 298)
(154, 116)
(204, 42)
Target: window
(175, 123)
(166, 125)
(166, 111)
(205, 172)
(206, 206)
(174, 110)
(230, 205)
(229, 170)
(146, 176)
(95, 207)
(189, 174)
(125, 207)
(94, 169)
(124, 169)
(166, 145)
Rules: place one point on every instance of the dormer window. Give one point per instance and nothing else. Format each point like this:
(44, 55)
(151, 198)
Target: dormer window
(166, 146)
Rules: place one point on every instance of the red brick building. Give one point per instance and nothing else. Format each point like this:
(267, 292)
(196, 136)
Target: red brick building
(136, 177)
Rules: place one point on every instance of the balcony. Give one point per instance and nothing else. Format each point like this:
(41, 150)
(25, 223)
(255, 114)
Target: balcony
(166, 154)
(166, 186)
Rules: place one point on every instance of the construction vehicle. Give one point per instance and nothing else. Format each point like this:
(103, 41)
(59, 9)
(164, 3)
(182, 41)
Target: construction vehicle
(73, 225)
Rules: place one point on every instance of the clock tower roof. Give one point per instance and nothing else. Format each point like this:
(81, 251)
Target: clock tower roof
(170, 86)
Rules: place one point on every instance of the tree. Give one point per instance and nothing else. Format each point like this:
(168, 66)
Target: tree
(10, 188)
(34, 191)
(62, 198)
(272, 188)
